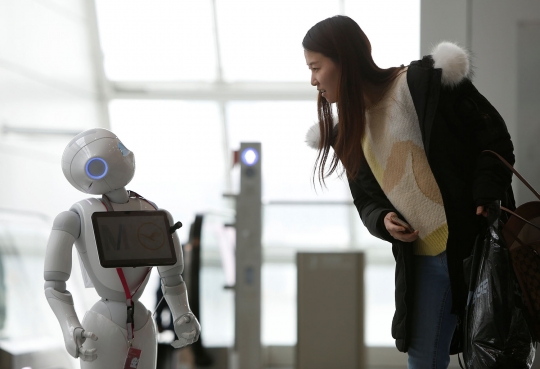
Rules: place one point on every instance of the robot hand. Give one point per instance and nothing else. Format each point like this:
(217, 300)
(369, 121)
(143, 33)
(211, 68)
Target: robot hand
(80, 337)
(74, 334)
(188, 329)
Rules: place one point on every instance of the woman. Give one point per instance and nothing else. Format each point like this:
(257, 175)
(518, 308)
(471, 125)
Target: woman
(410, 140)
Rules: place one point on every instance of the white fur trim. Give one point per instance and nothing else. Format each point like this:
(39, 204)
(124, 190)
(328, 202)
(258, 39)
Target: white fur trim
(453, 60)
(313, 136)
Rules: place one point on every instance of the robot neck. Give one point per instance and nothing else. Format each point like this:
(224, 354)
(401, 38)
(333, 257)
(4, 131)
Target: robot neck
(119, 196)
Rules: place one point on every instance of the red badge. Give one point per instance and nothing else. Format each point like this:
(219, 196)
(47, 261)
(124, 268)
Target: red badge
(132, 359)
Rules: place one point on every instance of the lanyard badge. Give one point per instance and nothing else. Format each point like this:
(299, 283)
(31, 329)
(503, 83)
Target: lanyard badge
(132, 359)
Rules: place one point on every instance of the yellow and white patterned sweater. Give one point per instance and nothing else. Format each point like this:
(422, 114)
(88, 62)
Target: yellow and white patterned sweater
(395, 153)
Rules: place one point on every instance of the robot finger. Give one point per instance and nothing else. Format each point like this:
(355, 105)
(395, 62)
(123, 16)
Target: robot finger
(84, 351)
(189, 335)
(87, 354)
(90, 335)
(184, 319)
(88, 358)
(181, 342)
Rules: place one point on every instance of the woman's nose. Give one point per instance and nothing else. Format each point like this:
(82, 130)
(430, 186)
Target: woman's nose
(313, 80)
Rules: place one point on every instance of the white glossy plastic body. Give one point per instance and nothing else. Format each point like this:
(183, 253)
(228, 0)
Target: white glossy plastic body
(101, 341)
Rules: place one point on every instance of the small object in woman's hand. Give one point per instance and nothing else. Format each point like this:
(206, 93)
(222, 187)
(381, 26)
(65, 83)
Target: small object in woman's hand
(402, 223)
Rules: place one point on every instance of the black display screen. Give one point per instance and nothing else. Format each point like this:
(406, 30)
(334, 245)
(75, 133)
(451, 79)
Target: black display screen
(133, 238)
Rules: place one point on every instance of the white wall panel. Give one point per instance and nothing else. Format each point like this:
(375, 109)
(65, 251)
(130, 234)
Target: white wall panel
(42, 40)
(493, 33)
(494, 43)
(442, 20)
(494, 38)
(528, 109)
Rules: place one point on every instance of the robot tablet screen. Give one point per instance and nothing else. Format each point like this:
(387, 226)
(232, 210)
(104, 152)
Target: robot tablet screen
(133, 238)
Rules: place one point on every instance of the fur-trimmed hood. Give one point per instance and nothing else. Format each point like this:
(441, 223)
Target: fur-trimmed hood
(451, 58)
(454, 62)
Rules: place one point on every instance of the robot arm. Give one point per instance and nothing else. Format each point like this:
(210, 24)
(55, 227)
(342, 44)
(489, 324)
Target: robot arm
(66, 229)
(186, 326)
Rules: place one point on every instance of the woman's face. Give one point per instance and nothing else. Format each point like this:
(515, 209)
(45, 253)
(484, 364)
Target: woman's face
(325, 74)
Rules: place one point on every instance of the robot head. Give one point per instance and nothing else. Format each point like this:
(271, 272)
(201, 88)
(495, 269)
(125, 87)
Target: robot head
(96, 162)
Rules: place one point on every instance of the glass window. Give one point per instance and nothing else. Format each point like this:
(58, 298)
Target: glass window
(281, 127)
(288, 175)
(278, 305)
(217, 308)
(23, 240)
(306, 227)
(392, 26)
(279, 320)
(178, 151)
(262, 40)
(157, 40)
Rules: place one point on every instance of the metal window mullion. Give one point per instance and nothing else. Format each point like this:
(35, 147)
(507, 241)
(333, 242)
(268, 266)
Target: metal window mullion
(103, 83)
(219, 66)
(226, 148)
(222, 106)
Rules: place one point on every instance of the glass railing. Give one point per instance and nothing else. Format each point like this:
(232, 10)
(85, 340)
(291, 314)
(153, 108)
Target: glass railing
(289, 227)
(27, 324)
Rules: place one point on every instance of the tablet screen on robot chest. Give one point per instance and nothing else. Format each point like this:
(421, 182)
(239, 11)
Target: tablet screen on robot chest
(133, 238)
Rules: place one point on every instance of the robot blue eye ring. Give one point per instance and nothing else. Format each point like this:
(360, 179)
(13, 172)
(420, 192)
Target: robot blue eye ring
(96, 168)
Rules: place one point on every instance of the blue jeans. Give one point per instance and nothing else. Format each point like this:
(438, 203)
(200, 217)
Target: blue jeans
(433, 325)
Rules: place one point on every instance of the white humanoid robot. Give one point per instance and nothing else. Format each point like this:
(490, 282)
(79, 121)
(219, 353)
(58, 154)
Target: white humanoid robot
(118, 331)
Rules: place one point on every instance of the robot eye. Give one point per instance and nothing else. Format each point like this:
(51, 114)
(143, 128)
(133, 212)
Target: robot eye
(96, 168)
(123, 149)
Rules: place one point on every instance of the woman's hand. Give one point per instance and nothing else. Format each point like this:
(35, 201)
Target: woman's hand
(397, 231)
(482, 210)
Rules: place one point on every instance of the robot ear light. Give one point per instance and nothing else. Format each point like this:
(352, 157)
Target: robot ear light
(96, 168)
(125, 151)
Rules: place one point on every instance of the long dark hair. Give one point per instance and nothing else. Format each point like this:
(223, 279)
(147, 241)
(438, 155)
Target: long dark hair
(342, 40)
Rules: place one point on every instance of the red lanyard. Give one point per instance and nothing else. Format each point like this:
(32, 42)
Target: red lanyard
(129, 302)
(130, 320)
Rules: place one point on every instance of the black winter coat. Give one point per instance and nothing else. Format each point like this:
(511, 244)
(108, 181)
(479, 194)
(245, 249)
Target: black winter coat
(457, 123)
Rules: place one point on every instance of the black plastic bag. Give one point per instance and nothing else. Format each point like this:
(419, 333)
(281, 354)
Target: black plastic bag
(496, 334)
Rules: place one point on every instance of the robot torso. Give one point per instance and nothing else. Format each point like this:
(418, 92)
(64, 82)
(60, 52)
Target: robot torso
(106, 280)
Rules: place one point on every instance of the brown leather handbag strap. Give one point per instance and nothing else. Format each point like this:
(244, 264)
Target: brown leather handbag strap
(516, 173)
(512, 234)
(516, 238)
(520, 217)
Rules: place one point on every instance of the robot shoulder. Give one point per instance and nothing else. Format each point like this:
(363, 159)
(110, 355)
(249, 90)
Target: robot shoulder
(88, 206)
(85, 208)
(68, 221)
